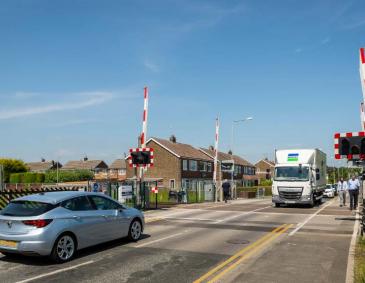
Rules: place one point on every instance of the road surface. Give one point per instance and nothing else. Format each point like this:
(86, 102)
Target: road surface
(242, 241)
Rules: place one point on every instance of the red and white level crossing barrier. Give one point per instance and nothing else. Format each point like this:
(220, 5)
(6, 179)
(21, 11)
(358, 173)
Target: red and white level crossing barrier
(337, 145)
(216, 151)
(362, 71)
(362, 116)
(144, 118)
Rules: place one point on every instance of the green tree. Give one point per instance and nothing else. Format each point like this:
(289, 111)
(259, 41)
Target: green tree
(12, 166)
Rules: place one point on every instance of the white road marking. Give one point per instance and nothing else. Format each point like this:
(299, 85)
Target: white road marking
(158, 240)
(55, 272)
(351, 256)
(241, 214)
(300, 225)
(189, 218)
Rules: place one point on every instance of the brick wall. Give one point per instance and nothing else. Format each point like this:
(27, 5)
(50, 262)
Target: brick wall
(166, 166)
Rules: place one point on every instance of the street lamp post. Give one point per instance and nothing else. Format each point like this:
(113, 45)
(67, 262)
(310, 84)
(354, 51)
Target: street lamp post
(232, 142)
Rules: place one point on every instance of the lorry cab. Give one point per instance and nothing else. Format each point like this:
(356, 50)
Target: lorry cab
(299, 176)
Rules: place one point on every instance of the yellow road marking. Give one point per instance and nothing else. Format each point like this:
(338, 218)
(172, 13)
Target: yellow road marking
(245, 256)
(238, 254)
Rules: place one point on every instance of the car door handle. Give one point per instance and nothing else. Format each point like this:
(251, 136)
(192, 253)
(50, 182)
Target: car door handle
(76, 217)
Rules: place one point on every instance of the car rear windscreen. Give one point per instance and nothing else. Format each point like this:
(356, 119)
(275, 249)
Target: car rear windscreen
(26, 208)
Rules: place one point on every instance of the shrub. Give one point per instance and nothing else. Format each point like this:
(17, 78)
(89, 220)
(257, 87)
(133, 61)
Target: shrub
(68, 176)
(12, 166)
(27, 178)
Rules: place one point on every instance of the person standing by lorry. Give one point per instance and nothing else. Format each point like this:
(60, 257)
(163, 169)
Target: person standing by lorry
(342, 188)
(354, 186)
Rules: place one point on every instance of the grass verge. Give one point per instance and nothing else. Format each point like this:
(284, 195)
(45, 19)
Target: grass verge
(360, 261)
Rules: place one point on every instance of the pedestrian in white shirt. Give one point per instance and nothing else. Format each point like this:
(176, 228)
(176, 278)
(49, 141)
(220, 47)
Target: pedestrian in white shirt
(353, 187)
(342, 188)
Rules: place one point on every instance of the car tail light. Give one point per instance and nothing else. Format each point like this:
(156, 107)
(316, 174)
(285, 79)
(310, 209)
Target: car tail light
(40, 223)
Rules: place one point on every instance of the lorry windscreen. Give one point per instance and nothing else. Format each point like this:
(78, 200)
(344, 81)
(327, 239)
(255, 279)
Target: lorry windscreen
(292, 173)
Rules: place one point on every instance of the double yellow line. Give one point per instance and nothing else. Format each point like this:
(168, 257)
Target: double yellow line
(231, 263)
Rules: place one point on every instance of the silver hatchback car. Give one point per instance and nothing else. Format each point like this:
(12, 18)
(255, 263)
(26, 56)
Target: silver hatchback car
(57, 224)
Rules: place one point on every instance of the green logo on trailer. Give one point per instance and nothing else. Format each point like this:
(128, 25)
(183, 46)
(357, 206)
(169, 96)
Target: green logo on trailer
(293, 157)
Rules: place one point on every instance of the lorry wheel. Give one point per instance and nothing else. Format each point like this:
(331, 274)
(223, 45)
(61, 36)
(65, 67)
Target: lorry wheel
(277, 204)
(313, 202)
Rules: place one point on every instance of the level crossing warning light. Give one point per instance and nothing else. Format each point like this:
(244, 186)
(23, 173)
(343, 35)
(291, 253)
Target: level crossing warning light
(141, 157)
(350, 145)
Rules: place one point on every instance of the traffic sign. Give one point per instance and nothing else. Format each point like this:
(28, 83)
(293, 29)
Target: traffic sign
(350, 145)
(141, 157)
(154, 190)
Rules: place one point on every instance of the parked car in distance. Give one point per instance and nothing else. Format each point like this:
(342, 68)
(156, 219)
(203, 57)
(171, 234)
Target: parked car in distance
(57, 224)
(335, 187)
(329, 191)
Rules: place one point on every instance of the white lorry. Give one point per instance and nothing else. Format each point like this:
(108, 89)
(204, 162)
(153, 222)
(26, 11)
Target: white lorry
(299, 177)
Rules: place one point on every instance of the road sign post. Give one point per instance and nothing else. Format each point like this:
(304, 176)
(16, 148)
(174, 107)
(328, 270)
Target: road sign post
(155, 191)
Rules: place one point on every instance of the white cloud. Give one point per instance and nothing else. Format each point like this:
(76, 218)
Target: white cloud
(354, 25)
(325, 40)
(74, 122)
(151, 66)
(298, 50)
(25, 95)
(90, 99)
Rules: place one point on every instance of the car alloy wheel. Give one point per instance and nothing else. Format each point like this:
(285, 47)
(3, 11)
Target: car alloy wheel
(135, 230)
(65, 248)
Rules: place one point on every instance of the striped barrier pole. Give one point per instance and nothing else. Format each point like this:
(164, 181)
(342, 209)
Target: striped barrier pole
(215, 173)
(362, 79)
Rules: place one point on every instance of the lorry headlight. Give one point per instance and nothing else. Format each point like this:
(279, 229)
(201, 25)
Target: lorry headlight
(306, 197)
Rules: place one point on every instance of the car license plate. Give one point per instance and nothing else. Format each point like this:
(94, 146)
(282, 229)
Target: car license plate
(8, 244)
(290, 201)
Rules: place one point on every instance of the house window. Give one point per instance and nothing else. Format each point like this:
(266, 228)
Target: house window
(185, 165)
(202, 166)
(186, 184)
(172, 184)
(193, 165)
(209, 167)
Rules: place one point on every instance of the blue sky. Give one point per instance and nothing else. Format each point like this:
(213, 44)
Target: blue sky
(72, 74)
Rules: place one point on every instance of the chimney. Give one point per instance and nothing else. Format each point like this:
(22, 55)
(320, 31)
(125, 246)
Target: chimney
(43, 160)
(211, 147)
(173, 139)
(53, 163)
(86, 159)
(230, 152)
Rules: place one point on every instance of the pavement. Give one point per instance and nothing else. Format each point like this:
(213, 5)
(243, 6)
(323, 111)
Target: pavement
(242, 241)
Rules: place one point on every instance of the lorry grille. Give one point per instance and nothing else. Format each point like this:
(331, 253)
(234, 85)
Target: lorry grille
(290, 193)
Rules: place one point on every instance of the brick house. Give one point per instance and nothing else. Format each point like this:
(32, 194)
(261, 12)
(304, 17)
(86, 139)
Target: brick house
(99, 167)
(265, 169)
(117, 170)
(177, 165)
(244, 171)
(43, 166)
